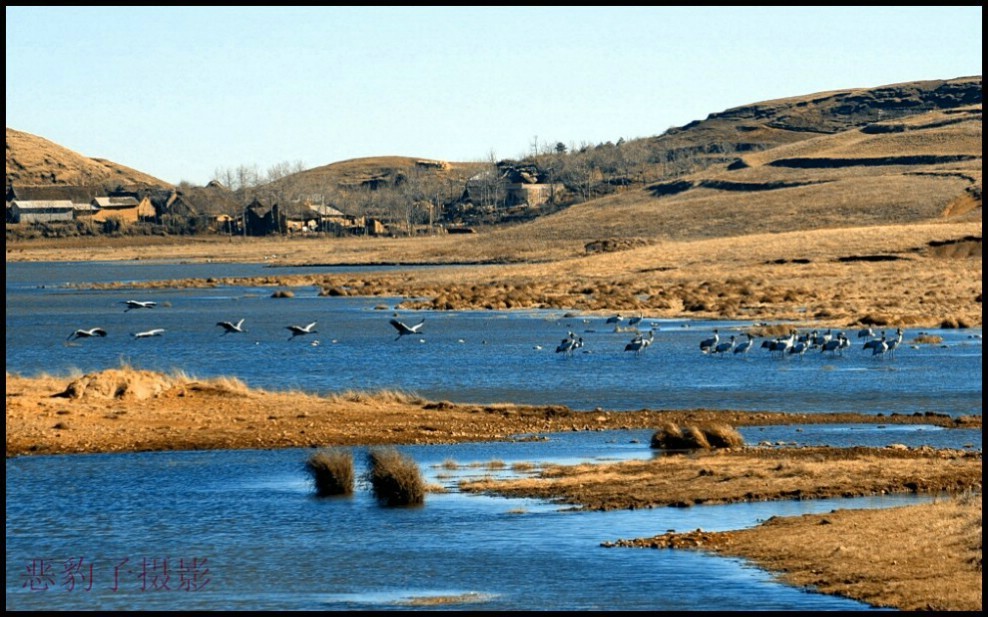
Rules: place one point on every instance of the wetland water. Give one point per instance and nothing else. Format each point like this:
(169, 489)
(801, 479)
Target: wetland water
(242, 530)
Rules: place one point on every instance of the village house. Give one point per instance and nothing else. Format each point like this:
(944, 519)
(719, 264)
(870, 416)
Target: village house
(261, 220)
(511, 185)
(124, 209)
(40, 211)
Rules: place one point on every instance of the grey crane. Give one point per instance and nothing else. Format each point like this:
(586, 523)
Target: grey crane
(725, 347)
(569, 344)
(139, 304)
(83, 333)
(404, 329)
(302, 330)
(709, 344)
(640, 343)
(231, 328)
(745, 345)
(149, 333)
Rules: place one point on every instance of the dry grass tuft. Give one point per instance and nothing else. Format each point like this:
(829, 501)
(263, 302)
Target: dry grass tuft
(395, 478)
(696, 437)
(380, 397)
(332, 472)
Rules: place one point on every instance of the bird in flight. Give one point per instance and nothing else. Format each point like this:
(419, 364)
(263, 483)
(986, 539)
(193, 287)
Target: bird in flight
(302, 330)
(138, 304)
(404, 328)
(230, 327)
(82, 333)
(149, 333)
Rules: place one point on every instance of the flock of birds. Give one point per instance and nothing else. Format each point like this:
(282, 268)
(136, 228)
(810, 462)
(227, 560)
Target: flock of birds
(792, 344)
(229, 327)
(798, 344)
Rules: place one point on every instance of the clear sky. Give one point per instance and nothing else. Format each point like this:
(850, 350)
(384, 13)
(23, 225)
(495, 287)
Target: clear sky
(180, 92)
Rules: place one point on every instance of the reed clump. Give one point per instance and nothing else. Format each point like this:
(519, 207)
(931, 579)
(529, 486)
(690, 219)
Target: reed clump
(696, 437)
(332, 471)
(395, 478)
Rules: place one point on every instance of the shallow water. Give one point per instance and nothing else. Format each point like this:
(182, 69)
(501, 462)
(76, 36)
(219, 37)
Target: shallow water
(462, 356)
(150, 525)
(261, 540)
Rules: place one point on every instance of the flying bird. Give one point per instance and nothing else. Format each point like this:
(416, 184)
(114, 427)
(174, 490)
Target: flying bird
(302, 330)
(230, 327)
(149, 333)
(139, 304)
(81, 333)
(404, 328)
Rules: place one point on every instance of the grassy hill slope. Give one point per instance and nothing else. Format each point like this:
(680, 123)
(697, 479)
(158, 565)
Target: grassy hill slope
(35, 160)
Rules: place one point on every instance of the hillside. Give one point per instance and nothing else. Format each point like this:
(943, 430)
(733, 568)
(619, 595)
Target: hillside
(925, 167)
(768, 124)
(35, 160)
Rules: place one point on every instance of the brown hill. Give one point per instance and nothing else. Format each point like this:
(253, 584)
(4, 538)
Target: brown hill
(925, 167)
(325, 183)
(765, 125)
(33, 160)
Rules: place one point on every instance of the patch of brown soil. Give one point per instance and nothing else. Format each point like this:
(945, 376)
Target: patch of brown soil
(128, 410)
(914, 558)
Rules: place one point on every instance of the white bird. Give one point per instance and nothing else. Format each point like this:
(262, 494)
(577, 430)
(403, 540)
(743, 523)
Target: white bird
(640, 343)
(230, 327)
(404, 328)
(302, 330)
(708, 345)
(149, 333)
(139, 304)
(81, 333)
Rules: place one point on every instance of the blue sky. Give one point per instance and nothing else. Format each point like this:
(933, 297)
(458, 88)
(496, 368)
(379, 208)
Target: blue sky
(180, 92)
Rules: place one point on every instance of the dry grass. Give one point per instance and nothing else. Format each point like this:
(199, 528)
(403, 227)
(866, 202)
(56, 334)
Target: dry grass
(378, 397)
(332, 471)
(746, 474)
(395, 477)
(672, 437)
(28, 155)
